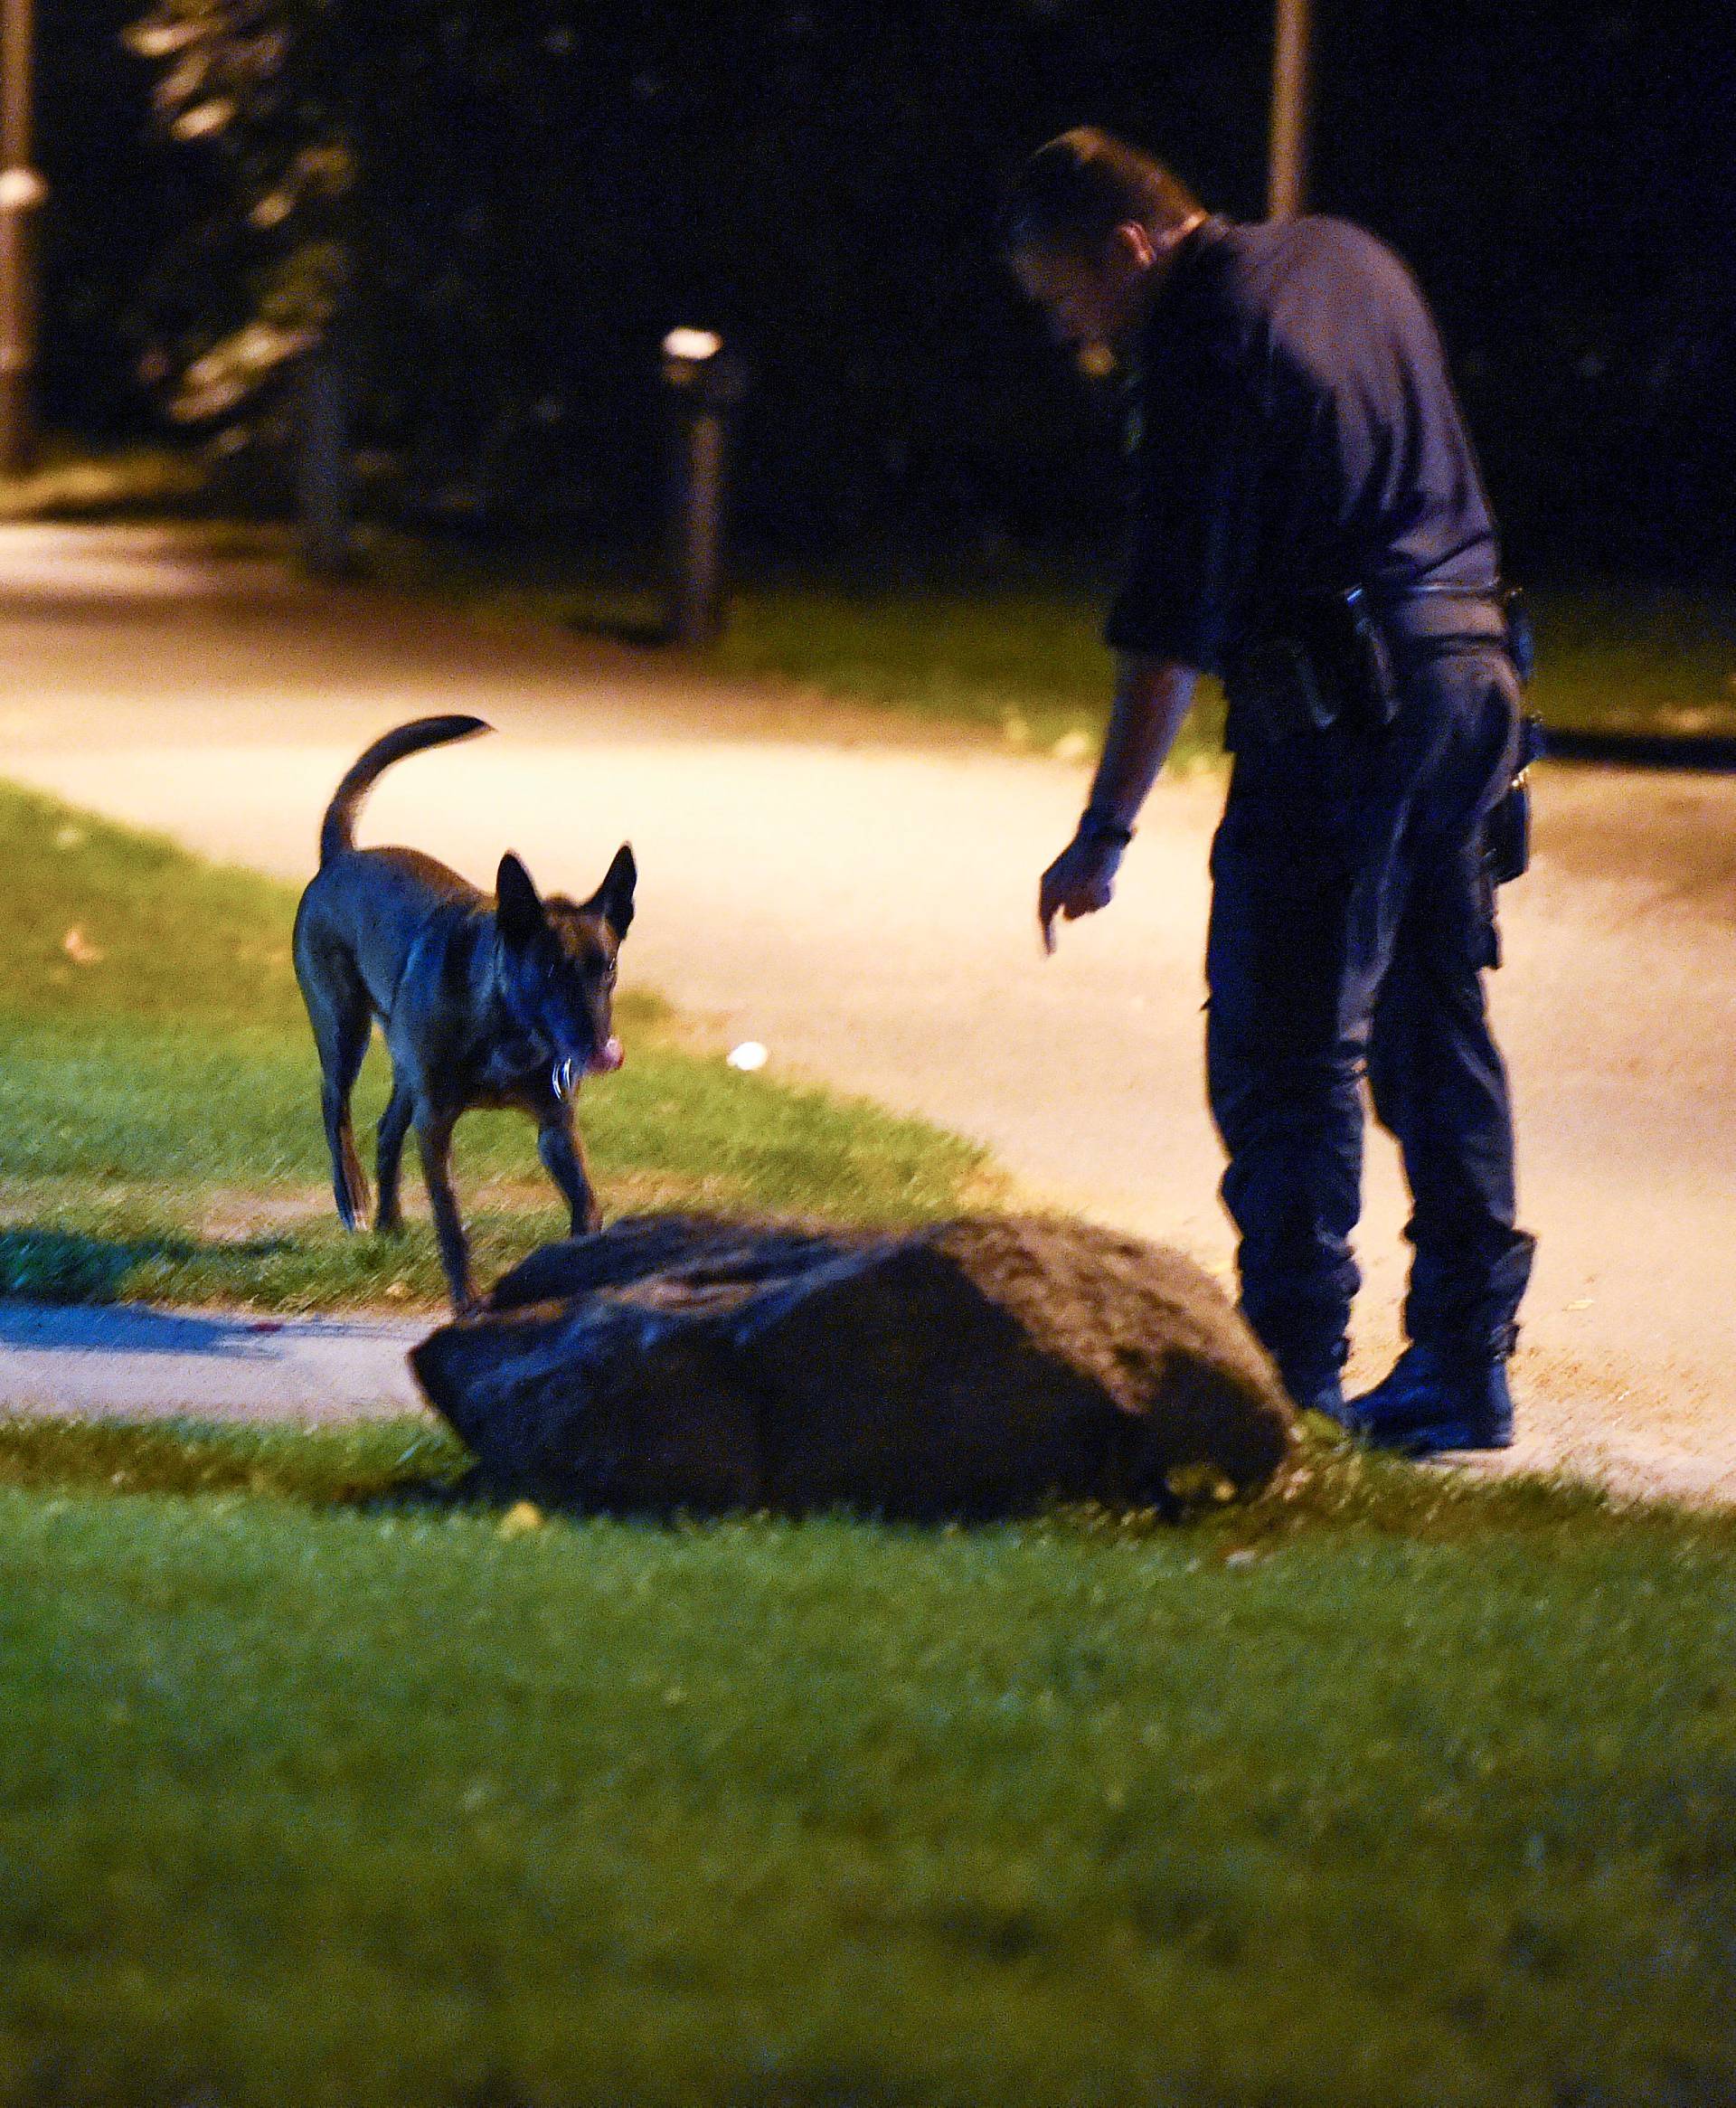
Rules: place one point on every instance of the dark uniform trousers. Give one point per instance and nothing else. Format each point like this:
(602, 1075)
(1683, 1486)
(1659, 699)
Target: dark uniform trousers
(1351, 918)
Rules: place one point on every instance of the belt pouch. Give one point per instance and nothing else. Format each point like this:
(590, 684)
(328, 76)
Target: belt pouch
(1522, 644)
(1276, 691)
(1506, 832)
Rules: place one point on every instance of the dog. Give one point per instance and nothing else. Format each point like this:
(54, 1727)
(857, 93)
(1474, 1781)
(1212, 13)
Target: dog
(482, 1002)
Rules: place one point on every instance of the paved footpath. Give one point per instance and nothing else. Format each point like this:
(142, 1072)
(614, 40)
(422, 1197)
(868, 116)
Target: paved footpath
(858, 895)
(141, 1364)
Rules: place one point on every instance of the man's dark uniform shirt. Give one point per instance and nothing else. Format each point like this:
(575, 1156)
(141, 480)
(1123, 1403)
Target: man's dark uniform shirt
(1293, 430)
(1292, 426)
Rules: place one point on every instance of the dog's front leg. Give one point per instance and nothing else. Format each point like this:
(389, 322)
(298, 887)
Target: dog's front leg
(434, 1143)
(557, 1143)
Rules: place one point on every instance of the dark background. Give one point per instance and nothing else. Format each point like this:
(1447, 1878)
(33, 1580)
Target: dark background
(532, 190)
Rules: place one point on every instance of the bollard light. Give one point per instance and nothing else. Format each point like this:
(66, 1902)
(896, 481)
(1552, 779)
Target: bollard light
(692, 347)
(704, 385)
(325, 475)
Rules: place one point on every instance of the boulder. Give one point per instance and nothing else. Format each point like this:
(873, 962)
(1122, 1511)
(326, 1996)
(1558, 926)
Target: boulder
(977, 1368)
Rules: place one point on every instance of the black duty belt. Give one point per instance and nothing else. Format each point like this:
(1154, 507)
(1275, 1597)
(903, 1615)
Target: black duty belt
(1427, 616)
(1331, 658)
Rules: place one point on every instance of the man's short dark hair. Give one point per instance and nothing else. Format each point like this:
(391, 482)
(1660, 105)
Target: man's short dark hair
(1075, 192)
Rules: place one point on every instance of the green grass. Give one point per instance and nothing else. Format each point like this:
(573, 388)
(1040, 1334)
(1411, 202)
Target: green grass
(1623, 657)
(70, 481)
(1009, 647)
(1022, 654)
(321, 1785)
(1017, 645)
(159, 1127)
(1029, 656)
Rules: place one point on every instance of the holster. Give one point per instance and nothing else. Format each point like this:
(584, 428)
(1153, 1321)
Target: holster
(1506, 832)
(1322, 659)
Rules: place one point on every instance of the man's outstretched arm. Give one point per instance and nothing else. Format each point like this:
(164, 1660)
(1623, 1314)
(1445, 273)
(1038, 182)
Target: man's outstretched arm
(1152, 699)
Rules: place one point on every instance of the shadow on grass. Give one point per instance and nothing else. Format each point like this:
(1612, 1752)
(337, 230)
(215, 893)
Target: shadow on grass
(76, 1266)
(1713, 754)
(378, 1468)
(642, 633)
(134, 1329)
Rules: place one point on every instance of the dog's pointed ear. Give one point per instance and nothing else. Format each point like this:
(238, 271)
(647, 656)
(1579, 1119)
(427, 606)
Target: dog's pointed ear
(519, 909)
(613, 899)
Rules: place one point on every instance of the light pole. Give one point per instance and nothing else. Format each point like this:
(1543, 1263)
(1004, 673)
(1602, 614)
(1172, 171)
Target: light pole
(22, 191)
(1290, 162)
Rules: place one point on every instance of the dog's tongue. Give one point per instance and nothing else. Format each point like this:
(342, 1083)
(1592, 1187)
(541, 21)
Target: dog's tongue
(609, 1057)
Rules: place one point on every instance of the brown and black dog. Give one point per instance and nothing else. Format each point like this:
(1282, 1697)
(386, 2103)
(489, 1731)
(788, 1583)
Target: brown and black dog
(482, 1002)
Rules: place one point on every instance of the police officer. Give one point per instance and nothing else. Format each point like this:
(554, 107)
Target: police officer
(1308, 524)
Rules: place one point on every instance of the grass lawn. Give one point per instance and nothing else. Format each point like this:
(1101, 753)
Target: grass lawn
(1018, 646)
(322, 1786)
(70, 481)
(321, 1782)
(159, 1118)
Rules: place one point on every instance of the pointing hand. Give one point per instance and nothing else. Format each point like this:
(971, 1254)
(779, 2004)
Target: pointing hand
(1079, 882)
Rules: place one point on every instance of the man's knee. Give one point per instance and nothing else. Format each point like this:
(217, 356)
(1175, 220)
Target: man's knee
(1280, 1085)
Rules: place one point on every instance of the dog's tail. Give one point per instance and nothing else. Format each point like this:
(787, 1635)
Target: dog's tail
(338, 829)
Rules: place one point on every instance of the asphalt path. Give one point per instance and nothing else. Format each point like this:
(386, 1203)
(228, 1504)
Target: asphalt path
(129, 1361)
(858, 893)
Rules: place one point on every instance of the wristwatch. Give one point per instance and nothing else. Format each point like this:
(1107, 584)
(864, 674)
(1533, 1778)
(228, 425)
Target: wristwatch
(1098, 827)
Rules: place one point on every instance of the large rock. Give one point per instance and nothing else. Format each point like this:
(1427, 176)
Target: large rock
(975, 1368)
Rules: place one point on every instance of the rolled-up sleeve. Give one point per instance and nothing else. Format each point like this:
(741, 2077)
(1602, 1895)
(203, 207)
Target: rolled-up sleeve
(1194, 479)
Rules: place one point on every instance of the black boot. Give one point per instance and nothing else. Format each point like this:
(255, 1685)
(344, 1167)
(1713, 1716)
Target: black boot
(1327, 1396)
(1315, 1386)
(1437, 1400)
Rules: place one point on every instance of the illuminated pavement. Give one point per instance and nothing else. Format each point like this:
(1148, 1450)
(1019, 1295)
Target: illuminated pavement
(206, 1365)
(860, 898)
